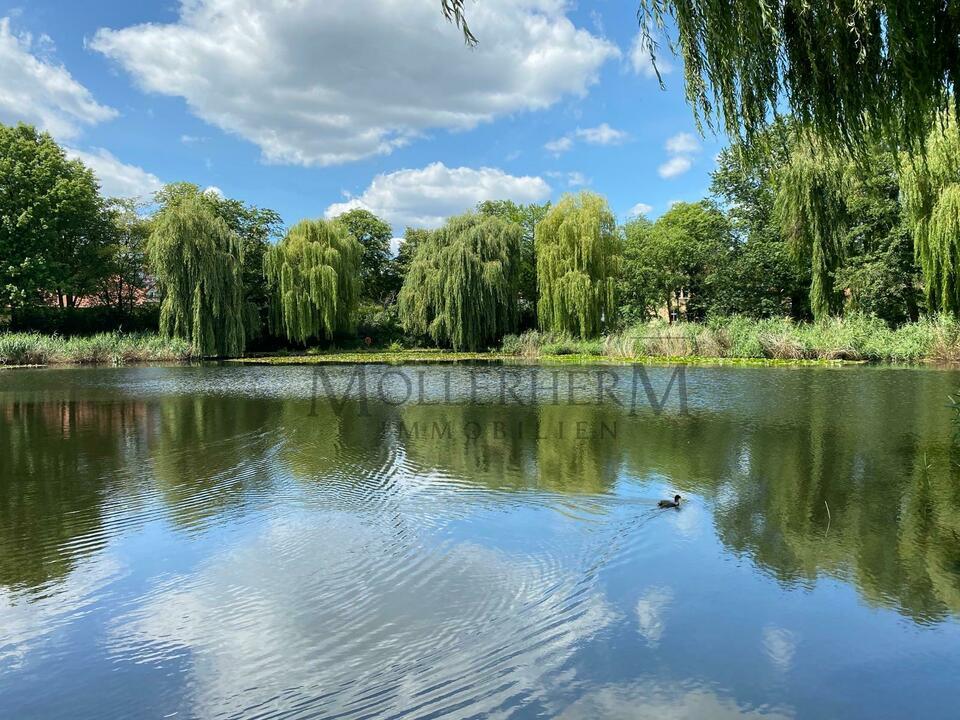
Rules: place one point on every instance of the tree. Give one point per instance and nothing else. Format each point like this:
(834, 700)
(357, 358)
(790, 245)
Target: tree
(256, 227)
(413, 238)
(197, 261)
(812, 217)
(126, 272)
(527, 217)
(677, 257)
(374, 235)
(462, 284)
(313, 276)
(578, 260)
(53, 223)
(931, 189)
(762, 277)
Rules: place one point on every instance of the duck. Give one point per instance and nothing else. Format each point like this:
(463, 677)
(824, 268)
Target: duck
(675, 503)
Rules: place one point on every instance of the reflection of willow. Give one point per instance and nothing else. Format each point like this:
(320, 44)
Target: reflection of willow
(55, 459)
(323, 438)
(886, 469)
(207, 453)
(516, 447)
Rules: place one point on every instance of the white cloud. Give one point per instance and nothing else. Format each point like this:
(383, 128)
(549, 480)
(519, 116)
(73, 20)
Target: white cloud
(682, 144)
(117, 179)
(426, 197)
(322, 83)
(675, 166)
(602, 135)
(571, 179)
(639, 210)
(35, 90)
(214, 190)
(560, 145)
(681, 147)
(395, 243)
(640, 59)
(191, 139)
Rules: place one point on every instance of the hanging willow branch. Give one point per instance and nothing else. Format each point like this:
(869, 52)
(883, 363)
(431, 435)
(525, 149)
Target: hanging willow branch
(810, 210)
(578, 260)
(852, 69)
(197, 260)
(931, 200)
(461, 289)
(313, 276)
(453, 11)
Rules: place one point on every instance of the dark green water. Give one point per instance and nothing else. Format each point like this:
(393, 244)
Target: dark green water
(248, 542)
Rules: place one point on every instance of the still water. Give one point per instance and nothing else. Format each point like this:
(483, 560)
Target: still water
(419, 542)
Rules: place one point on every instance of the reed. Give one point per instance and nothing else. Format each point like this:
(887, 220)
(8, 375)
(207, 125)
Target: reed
(102, 349)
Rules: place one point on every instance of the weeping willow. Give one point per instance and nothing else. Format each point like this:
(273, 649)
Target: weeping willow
(931, 198)
(852, 69)
(313, 279)
(578, 259)
(197, 261)
(461, 289)
(812, 214)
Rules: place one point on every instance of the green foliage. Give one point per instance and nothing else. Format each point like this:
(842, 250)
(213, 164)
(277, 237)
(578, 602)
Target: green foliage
(682, 252)
(931, 189)
(104, 348)
(854, 71)
(125, 280)
(461, 288)
(761, 277)
(314, 279)
(578, 261)
(197, 261)
(256, 227)
(812, 216)
(527, 217)
(377, 282)
(53, 224)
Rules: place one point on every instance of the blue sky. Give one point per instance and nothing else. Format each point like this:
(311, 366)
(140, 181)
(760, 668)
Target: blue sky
(312, 106)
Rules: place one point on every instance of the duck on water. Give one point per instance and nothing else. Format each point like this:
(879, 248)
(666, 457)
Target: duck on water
(675, 503)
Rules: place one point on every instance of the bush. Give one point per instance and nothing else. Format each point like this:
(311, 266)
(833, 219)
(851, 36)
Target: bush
(71, 322)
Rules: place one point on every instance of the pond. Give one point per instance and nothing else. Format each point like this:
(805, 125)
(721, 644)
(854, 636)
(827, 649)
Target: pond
(479, 541)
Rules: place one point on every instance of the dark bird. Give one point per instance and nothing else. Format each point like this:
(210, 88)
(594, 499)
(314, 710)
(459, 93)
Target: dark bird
(675, 503)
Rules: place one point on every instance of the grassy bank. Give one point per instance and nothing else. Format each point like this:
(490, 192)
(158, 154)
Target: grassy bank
(102, 349)
(734, 341)
(849, 339)
(726, 341)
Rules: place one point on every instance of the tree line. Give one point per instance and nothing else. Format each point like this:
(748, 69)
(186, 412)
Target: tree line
(793, 227)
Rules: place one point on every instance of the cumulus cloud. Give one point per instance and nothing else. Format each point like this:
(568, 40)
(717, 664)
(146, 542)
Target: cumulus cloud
(117, 179)
(36, 90)
(426, 197)
(323, 83)
(641, 61)
(639, 210)
(675, 166)
(681, 147)
(570, 179)
(682, 143)
(558, 146)
(602, 135)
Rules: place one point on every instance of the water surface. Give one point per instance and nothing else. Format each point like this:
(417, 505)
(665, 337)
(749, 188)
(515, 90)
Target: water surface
(458, 542)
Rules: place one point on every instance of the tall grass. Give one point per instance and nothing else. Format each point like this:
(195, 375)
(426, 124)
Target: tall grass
(102, 349)
(856, 337)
